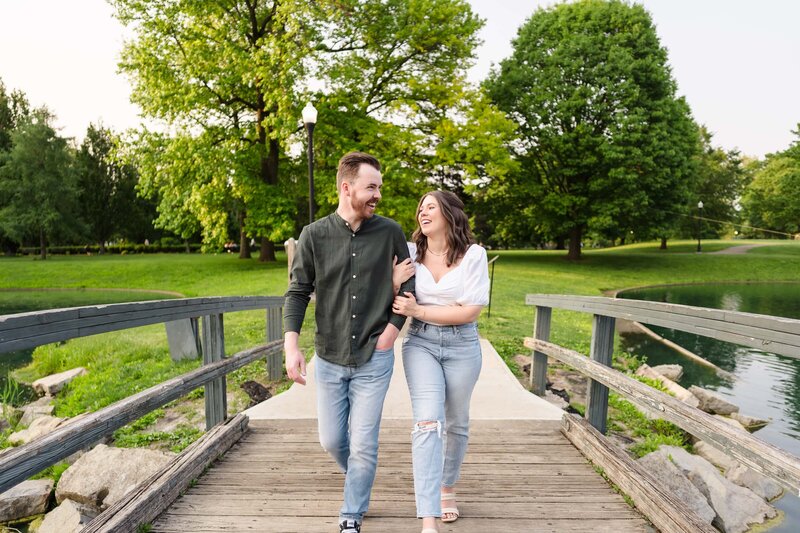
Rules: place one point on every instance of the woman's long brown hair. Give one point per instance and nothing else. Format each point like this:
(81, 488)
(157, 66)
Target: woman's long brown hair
(459, 236)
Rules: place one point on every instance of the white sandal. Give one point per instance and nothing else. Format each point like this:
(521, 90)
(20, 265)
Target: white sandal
(430, 530)
(449, 496)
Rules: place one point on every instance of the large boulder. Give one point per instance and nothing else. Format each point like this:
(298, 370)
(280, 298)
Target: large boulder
(53, 383)
(38, 428)
(672, 372)
(737, 508)
(104, 475)
(676, 483)
(713, 403)
(41, 407)
(679, 392)
(26, 499)
(739, 473)
(69, 517)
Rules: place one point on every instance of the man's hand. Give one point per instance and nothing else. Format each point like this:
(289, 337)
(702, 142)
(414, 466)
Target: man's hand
(295, 362)
(387, 338)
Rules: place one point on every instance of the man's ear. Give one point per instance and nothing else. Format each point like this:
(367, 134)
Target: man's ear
(345, 188)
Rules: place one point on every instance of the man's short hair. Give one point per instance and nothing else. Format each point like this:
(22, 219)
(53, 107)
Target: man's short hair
(349, 165)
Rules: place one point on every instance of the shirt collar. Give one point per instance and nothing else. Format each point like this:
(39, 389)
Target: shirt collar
(340, 222)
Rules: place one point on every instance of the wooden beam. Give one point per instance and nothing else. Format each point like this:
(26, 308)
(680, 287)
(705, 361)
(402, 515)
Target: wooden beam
(18, 464)
(773, 334)
(541, 331)
(27, 330)
(761, 456)
(666, 512)
(602, 349)
(151, 497)
(216, 400)
(275, 332)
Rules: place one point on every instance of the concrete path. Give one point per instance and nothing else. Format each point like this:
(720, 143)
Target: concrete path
(741, 249)
(497, 396)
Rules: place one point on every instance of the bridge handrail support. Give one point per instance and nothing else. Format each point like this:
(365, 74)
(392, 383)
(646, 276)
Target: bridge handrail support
(761, 456)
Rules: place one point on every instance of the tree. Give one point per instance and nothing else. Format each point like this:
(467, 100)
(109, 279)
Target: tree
(230, 79)
(605, 144)
(13, 108)
(772, 200)
(38, 182)
(108, 199)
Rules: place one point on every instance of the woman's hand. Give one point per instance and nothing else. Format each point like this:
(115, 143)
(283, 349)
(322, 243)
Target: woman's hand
(406, 305)
(401, 272)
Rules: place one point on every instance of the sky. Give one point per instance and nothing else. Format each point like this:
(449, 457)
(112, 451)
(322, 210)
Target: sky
(737, 62)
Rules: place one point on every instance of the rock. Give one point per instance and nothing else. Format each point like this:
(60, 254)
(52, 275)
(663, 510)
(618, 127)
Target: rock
(104, 475)
(671, 372)
(38, 428)
(711, 402)
(677, 484)
(731, 422)
(680, 393)
(555, 399)
(257, 392)
(736, 507)
(53, 383)
(750, 423)
(758, 483)
(714, 455)
(41, 407)
(738, 473)
(26, 499)
(69, 517)
(569, 380)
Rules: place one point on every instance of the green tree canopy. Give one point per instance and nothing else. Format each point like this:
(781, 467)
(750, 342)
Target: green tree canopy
(229, 79)
(37, 183)
(604, 144)
(772, 200)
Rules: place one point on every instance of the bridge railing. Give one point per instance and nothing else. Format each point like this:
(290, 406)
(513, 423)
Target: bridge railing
(774, 334)
(26, 330)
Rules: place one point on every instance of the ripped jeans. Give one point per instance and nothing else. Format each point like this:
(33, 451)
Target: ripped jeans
(442, 365)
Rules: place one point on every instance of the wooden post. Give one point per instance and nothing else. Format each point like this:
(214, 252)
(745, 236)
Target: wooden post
(539, 360)
(214, 350)
(274, 332)
(601, 351)
(290, 247)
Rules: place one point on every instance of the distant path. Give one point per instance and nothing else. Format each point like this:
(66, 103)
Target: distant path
(742, 249)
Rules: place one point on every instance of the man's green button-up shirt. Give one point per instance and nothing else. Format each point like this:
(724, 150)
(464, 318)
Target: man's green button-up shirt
(351, 273)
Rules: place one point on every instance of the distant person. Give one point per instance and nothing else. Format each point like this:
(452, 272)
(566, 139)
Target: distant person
(442, 354)
(347, 258)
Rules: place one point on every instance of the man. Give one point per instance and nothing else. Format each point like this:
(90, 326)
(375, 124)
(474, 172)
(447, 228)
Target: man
(347, 259)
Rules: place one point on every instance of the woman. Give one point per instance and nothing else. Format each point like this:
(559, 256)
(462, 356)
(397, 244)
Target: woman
(441, 353)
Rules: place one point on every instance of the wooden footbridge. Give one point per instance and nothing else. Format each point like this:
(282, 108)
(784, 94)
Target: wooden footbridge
(530, 467)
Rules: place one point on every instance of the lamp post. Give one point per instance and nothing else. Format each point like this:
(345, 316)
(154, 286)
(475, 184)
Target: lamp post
(310, 120)
(699, 222)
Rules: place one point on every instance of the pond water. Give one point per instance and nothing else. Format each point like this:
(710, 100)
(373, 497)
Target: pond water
(23, 301)
(765, 385)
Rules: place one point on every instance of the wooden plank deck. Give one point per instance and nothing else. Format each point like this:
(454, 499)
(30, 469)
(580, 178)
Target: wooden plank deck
(519, 475)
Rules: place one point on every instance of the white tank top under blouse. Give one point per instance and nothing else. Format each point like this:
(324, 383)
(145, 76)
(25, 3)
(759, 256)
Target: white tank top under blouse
(466, 284)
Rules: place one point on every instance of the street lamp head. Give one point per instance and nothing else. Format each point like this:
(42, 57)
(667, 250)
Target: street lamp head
(700, 204)
(309, 114)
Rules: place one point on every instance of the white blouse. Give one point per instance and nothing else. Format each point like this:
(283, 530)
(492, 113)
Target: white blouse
(466, 284)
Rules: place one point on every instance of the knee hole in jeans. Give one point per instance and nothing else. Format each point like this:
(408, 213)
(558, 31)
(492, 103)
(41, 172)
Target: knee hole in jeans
(426, 426)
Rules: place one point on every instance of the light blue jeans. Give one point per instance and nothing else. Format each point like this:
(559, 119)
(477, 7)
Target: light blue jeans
(442, 365)
(349, 406)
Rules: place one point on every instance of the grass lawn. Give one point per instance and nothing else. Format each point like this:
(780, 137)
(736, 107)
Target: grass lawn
(124, 362)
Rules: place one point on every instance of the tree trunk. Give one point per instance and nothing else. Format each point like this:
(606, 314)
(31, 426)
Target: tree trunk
(663, 244)
(574, 244)
(560, 243)
(267, 251)
(244, 245)
(42, 245)
(102, 244)
(622, 241)
(188, 248)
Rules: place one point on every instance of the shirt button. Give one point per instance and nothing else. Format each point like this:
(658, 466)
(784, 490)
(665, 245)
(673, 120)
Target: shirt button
(353, 235)
(354, 255)
(354, 336)
(354, 275)
(354, 316)
(354, 297)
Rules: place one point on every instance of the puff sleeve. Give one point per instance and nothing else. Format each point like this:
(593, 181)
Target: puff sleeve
(476, 277)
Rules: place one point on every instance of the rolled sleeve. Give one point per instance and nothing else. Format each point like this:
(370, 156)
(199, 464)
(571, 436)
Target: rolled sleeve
(301, 283)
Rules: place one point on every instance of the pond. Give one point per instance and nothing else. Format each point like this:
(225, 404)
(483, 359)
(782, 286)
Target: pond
(765, 385)
(23, 301)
